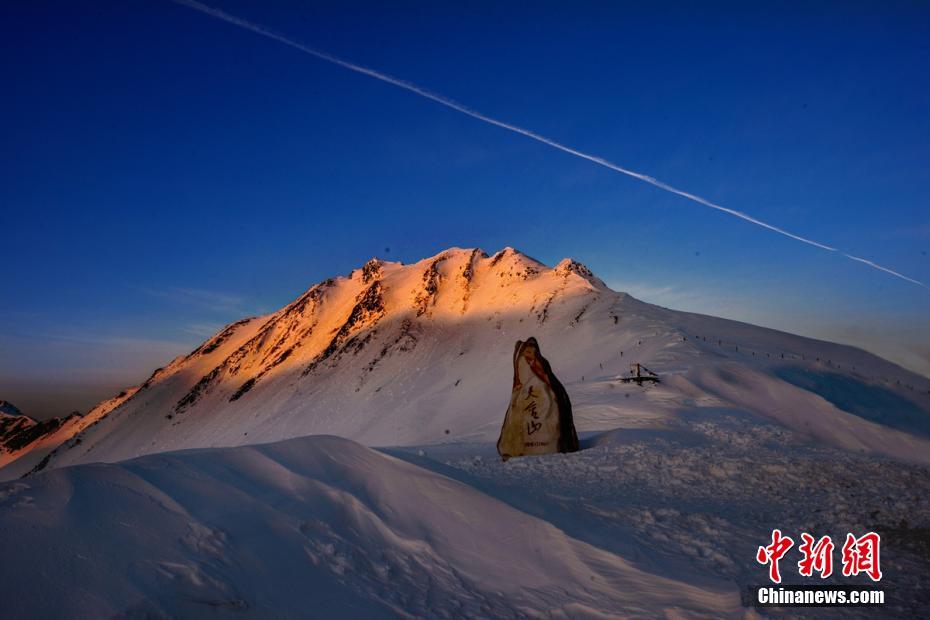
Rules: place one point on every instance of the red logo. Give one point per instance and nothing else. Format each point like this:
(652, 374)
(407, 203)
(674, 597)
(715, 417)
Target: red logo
(773, 553)
(817, 557)
(860, 555)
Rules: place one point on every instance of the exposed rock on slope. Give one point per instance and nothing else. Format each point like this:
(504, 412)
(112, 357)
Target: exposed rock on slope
(20, 434)
(14, 427)
(36, 455)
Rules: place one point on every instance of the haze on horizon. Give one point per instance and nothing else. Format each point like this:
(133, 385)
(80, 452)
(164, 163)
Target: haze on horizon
(165, 174)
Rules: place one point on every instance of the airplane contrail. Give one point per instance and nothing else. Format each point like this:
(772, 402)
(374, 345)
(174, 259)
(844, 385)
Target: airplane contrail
(450, 103)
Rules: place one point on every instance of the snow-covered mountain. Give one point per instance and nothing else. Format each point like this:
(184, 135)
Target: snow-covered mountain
(25, 443)
(660, 514)
(9, 409)
(21, 435)
(395, 355)
(13, 425)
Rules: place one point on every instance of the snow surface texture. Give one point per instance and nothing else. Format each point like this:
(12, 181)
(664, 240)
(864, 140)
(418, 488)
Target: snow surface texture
(311, 527)
(696, 498)
(659, 514)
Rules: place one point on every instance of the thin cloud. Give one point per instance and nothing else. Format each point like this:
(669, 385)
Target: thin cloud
(199, 298)
(668, 296)
(204, 330)
(449, 103)
(104, 341)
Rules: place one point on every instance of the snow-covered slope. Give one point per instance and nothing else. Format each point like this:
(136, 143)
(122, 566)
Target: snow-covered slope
(660, 513)
(22, 458)
(417, 354)
(311, 527)
(44, 437)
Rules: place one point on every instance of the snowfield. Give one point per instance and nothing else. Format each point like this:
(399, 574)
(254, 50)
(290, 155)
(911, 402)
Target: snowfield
(310, 527)
(216, 487)
(695, 499)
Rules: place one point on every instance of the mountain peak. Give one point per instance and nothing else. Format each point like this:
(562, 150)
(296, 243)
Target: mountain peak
(9, 409)
(428, 342)
(569, 266)
(372, 270)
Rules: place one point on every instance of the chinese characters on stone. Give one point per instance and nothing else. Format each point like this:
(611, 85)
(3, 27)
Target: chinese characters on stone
(532, 425)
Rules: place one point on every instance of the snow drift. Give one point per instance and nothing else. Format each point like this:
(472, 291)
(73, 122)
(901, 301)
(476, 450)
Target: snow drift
(319, 526)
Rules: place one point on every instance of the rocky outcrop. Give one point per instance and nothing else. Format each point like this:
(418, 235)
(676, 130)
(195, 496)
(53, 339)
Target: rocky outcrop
(568, 267)
(18, 431)
(368, 310)
(426, 297)
(468, 274)
(13, 425)
(372, 270)
(9, 410)
(217, 341)
(518, 265)
(539, 418)
(274, 343)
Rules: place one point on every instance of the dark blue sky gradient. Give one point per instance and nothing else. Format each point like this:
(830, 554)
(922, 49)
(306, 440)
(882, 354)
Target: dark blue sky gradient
(164, 173)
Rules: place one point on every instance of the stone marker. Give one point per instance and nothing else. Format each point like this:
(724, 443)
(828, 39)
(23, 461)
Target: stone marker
(539, 418)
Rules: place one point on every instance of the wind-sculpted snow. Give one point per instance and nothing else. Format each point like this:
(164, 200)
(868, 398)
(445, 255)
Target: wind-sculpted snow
(809, 413)
(695, 497)
(876, 403)
(311, 527)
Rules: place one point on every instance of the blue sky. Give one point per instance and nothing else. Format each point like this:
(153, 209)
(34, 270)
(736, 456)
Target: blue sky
(164, 173)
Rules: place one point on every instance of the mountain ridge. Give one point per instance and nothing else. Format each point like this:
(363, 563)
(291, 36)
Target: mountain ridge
(395, 354)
